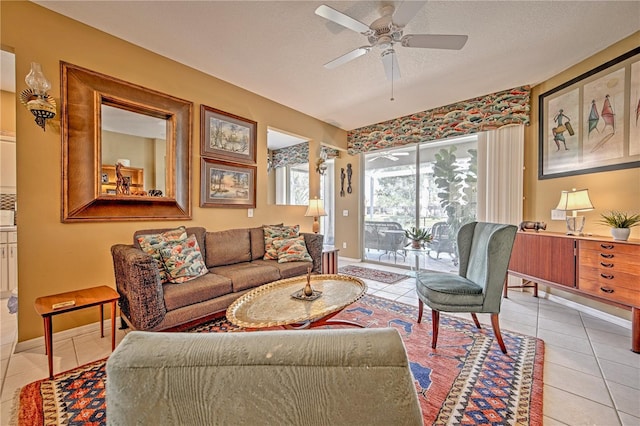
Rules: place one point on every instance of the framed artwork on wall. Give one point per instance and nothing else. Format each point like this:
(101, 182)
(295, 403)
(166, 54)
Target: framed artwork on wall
(224, 184)
(226, 136)
(592, 123)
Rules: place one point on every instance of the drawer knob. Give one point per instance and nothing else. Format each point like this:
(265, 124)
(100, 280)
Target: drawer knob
(607, 246)
(606, 255)
(606, 265)
(607, 276)
(607, 290)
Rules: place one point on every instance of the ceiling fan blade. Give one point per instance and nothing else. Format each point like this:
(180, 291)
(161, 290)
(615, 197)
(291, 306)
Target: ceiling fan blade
(341, 19)
(390, 62)
(435, 41)
(356, 53)
(406, 11)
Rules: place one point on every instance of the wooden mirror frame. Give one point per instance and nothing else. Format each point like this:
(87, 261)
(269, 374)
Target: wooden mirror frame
(83, 93)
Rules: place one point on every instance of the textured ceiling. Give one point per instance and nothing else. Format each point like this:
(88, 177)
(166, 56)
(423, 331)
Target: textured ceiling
(277, 49)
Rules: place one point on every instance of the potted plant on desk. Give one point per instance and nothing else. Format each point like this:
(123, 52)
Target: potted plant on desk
(620, 223)
(417, 236)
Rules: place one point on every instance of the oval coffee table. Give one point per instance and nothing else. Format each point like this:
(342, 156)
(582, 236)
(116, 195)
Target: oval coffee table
(272, 304)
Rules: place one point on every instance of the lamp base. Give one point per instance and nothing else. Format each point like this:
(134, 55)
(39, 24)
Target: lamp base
(575, 225)
(316, 225)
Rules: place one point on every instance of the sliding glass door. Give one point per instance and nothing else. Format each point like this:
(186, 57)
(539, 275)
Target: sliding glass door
(430, 185)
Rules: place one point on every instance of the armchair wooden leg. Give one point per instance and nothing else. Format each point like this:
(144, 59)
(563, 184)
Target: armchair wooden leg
(495, 322)
(420, 308)
(435, 321)
(475, 319)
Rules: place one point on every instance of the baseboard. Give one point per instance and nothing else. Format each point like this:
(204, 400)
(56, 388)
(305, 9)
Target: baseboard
(349, 259)
(65, 335)
(586, 309)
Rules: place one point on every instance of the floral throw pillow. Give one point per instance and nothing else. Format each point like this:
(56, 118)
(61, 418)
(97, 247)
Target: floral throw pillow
(153, 243)
(183, 260)
(273, 233)
(292, 250)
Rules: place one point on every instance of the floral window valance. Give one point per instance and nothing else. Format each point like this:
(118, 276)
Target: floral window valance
(295, 154)
(473, 115)
(329, 153)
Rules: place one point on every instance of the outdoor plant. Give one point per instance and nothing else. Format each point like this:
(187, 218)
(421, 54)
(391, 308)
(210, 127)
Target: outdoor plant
(619, 219)
(418, 236)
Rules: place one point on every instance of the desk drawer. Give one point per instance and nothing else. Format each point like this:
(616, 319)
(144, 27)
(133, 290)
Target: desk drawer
(609, 277)
(618, 262)
(611, 291)
(609, 247)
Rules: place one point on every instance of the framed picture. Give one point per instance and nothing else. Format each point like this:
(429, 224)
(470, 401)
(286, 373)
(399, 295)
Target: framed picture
(592, 123)
(226, 136)
(224, 184)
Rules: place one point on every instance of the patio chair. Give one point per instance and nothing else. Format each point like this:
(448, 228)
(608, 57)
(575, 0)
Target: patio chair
(442, 241)
(385, 236)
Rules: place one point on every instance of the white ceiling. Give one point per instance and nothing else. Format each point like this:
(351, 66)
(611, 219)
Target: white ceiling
(277, 48)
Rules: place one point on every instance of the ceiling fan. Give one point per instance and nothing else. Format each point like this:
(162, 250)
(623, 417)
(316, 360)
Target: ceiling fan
(393, 156)
(386, 31)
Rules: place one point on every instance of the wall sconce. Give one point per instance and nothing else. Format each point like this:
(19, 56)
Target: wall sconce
(575, 201)
(35, 98)
(315, 209)
(321, 166)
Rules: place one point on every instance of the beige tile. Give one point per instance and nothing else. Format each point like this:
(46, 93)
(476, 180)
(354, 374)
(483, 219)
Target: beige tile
(413, 301)
(517, 327)
(564, 341)
(572, 330)
(548, 421)
(577, 383)
(568, 317)
(619, 355)
(91, 347)
(626, 399)
(571, 409)
(620, 373)
(629, 420)
(571, 359)
(5, 350)
(608, 338)
(594, 323)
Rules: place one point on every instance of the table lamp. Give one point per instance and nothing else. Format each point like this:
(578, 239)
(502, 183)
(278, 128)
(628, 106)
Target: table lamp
(315, 209)
(575, 201)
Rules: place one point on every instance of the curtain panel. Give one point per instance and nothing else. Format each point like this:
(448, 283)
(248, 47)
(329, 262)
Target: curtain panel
(479, 114)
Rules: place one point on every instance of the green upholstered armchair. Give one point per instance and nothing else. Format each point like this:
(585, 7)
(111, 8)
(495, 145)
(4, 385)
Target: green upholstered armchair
(484, 250)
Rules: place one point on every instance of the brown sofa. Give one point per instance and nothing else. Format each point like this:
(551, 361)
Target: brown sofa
(234, 259)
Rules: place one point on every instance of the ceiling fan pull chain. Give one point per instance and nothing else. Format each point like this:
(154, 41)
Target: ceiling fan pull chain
(392, 98)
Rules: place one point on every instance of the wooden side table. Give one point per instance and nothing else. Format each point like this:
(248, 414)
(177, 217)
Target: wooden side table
(85, 298)
(330, 260)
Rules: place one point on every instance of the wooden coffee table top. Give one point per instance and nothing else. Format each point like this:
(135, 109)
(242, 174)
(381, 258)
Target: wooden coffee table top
(271, 305)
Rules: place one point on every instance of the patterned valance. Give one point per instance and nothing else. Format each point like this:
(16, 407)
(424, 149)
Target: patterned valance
(329, 153)
(462, 118)
(295, 154)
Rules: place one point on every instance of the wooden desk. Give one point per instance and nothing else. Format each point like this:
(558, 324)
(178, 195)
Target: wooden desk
(598, 268)
(85, 298)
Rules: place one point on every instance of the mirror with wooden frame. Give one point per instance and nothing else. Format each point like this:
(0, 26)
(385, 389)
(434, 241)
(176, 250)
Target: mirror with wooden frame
(126, 150)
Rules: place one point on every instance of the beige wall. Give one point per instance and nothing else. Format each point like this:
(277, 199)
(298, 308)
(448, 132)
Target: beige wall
(7, 111)
(57, 257)
(618, 190)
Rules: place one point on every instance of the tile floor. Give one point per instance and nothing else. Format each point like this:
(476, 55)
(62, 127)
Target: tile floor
(590, 375)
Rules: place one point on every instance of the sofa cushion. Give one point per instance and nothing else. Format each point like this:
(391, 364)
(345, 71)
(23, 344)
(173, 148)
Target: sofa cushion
(292, 250)
(183, 260)
(288, 270)
(256, 235)
(152, 243)
(248, 274)
(227, 247)
(272, 233)
(209, 286)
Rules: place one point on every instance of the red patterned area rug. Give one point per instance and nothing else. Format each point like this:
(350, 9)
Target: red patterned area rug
(467, 380)
(372, 274)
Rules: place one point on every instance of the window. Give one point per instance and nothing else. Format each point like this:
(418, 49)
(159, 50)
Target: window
(292, 184)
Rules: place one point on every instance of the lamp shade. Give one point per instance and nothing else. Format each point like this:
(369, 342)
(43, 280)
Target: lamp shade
(316, 208)
(576, 200)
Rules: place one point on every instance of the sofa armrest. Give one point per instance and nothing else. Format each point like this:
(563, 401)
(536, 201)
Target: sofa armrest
(139, 286)
(314, 247)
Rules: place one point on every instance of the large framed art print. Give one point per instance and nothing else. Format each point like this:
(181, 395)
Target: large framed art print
(592, 123)
(226, 136)
(224, 184)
